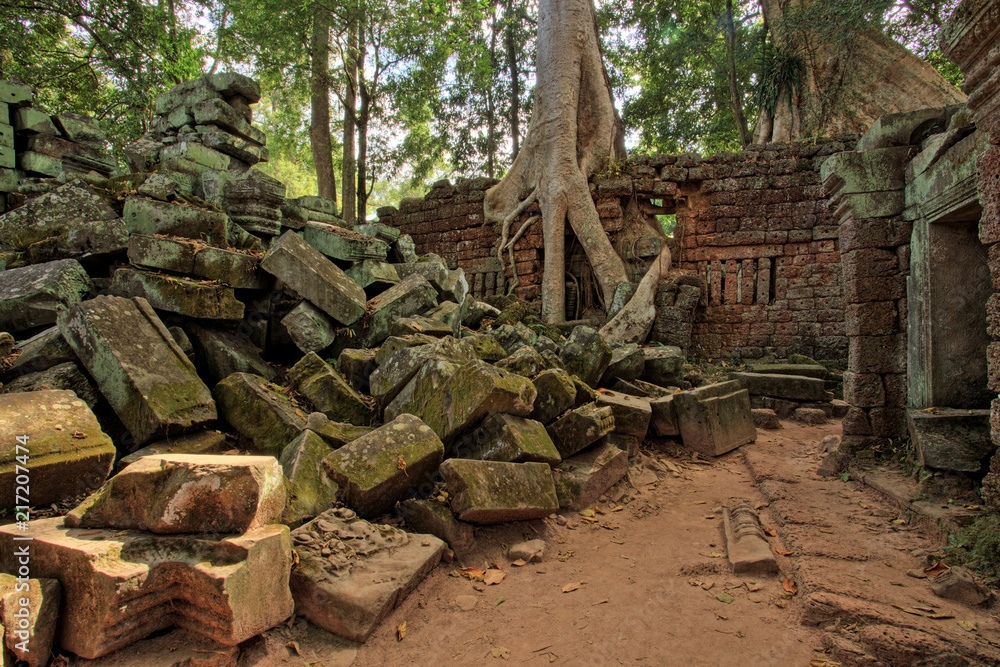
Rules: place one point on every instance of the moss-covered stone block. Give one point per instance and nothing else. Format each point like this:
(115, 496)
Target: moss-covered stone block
(221, 353)
(627, 363)
(438, 519)
(556, 394)
(418, 324)
(309, 328)
(66, 451)
(32, 296)
(632, 413)
(503, 437)
(586, 355)
(410, 296)
(343, 244)
(66, 376)
(488, 492)
(452, 400)
(581, 427)
(385, 465)
(151, 217)
(149, 382)
(373, 276)
(310, 489)
(179, 295)
(259, 411)
(328, 391)
(524, 361)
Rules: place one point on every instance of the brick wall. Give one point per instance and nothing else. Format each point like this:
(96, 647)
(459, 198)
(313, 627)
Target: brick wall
(752, 225)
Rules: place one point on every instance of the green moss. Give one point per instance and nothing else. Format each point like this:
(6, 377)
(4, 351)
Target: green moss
(978, 546)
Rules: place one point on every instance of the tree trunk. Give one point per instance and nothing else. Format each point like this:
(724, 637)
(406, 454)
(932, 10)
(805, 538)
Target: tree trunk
(491, 120)
(349, 170)
(319, 122)
(364, 114)
(515, 85)
(735, 94)
(573, 126)
(849, 81)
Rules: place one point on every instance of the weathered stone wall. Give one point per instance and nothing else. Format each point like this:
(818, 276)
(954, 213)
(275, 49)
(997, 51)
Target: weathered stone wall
(753, 226)
(969, 40)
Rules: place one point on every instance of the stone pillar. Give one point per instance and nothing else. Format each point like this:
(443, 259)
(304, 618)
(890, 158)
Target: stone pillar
(969, 40)
(867, 199)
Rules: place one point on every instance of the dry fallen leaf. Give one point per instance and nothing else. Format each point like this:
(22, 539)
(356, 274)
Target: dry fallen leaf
(473, 573)
(968, 626)
(936, 569)
(782, 552)
(771, 531)
(752, 586)
(401, 464)
(493, 577)
(500, 652)
(520, 562)
(569, 588)
(604, 601)
(724, 597)
(295, 647)
(789, 586)
(401, 631)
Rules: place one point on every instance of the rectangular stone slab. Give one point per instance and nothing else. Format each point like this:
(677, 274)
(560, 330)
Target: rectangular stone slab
(582, 479)
(61, 466)
(148, 216)
(487, 492)
(951, 439)
(369, 571)
(32, 295)
(715, 419)
(795, 387)
(259, 411)
(383, 466)
(121, 586)
(315, 277)
(178, 295)
(344, 244)
(217, 112)
(149, 382)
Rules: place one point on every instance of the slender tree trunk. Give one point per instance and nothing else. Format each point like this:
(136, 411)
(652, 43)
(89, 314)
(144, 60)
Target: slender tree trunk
(735, 94)
(349, 172)
(319, 123)
(515, 85)
(364, 115)
(491, 123)
(574, 126)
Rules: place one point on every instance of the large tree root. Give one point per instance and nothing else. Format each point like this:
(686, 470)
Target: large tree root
(633, 322)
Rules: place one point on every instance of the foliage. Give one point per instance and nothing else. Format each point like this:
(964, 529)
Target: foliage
(978, 546)
(779, 69)
(109, 59)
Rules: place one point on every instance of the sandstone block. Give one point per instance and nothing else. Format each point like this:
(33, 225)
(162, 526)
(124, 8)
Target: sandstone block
(310, 490)
(328, 391)
(178, 295)
(556, 394)
(632, 413)
(581, 427)
(33, 295)
(586, 355)
(487, 492)
(503, 437)
(583, 478)
(715, 419)
(259, 411)
(795, 387)
(28, 639)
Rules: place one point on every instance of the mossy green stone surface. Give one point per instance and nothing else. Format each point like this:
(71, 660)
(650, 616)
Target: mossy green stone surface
(383, 466)
(179, 295)
(328, 391)
(556, 394)
(310, 489)
(149, 382)
(487, 492)
(259, 411)
(503, 437)
(61, 466)
(151, 217)
(32, 296)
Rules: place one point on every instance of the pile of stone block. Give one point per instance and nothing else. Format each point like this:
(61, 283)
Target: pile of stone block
(35, 145)
(169, 318)
(798, 390)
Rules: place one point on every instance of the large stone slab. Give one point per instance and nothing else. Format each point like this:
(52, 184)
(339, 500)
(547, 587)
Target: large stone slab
(486, 492)
(66, 215)
(328, 391)
(217, 112)
(121, 586)
(410, 296)
(152, 217)
(316, 278)
(309, 328)
(795, 387)
(664, 365)
(29, 613)
(581, 427)
(951, 439)
(383, 466)
(32, 295)
(179, 295)
(61, 446)
(202, 442)
(66, 376)
(556, 394)
(373, 276)
(396, 372)
(583, 478)
(194, 258)
(504, 437)
(805, 370)
(187, 493)
(344, 244)
(260, 411)
(149, 382)
(436, 518)
(310, 489)
(586, 355)
(40, 352)
(715, 419)
(221, 353)
(351, 574)
(449, 404)
(632, 413)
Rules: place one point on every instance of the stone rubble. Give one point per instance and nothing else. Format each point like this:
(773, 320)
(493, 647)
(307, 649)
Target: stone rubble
(256, 365)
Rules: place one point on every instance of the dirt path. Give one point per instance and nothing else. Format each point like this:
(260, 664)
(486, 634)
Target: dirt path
(655, 586)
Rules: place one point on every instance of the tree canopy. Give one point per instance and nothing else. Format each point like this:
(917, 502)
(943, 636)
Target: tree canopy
(418, 89)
